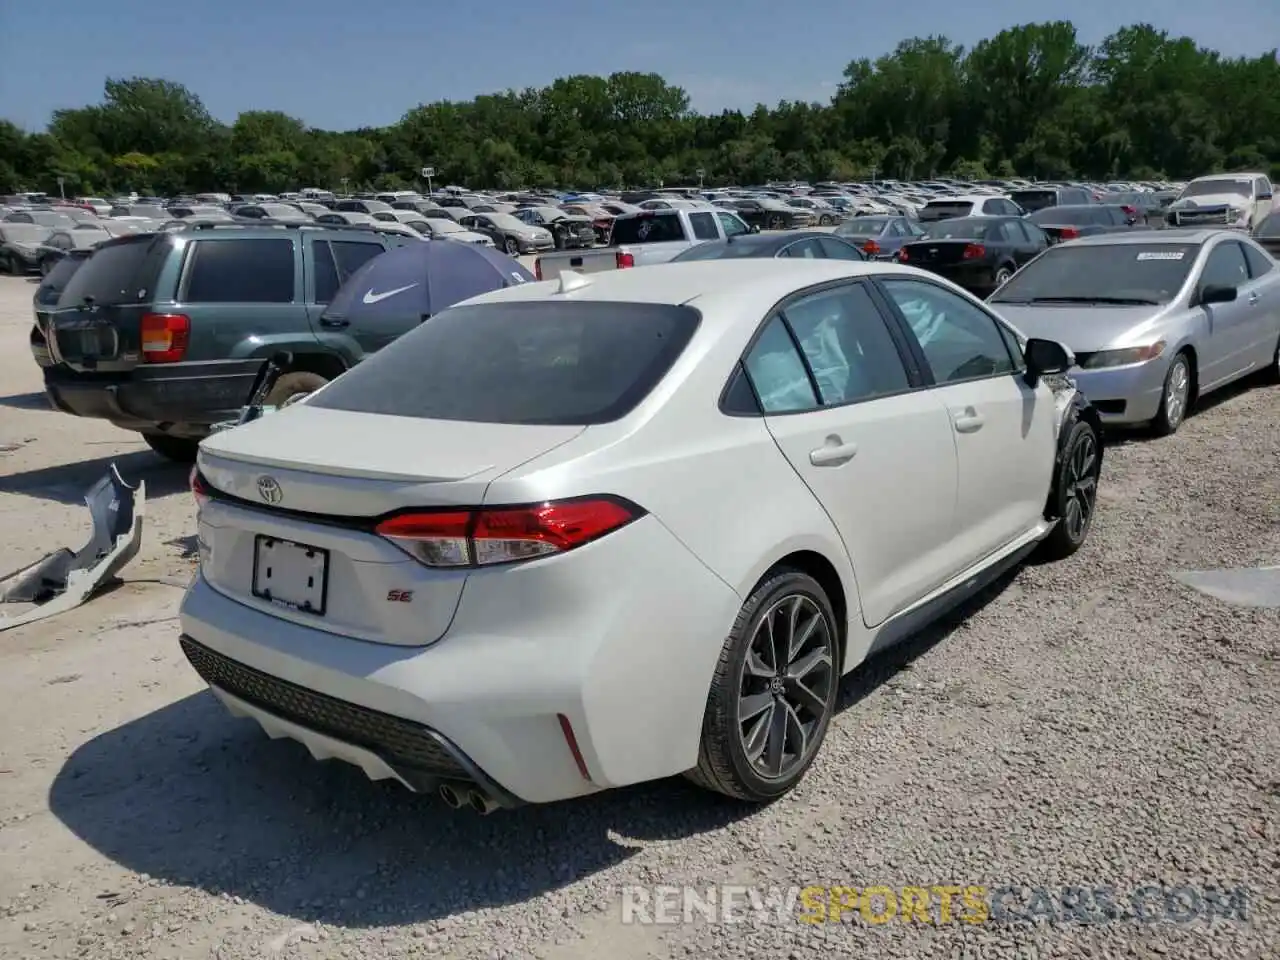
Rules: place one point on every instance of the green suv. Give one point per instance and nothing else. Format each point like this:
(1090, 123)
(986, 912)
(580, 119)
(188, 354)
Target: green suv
(163, 333)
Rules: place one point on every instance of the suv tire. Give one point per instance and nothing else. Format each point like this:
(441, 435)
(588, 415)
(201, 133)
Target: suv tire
(293, 385)
(177, 449)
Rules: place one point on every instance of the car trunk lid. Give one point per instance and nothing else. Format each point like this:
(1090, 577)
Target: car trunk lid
(290, 526)
(930, 253)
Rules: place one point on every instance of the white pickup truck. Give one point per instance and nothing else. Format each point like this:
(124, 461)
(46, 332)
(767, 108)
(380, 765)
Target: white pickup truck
(1237, 200)
(644, 238)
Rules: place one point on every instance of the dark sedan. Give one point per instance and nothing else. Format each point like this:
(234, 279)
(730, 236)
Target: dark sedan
(880, 238)
(1085, 220)
(810, 245)
(977, 253)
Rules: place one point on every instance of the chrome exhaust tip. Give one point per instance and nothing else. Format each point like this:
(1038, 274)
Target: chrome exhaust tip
(481, 804)
(450, 796)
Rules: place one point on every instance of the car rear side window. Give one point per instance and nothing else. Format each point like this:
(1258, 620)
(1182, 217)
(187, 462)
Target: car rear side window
(778, 373)
(960, 341)
(116, 273)
(540, 362)
(1259, 262)
(1033, 200)
(240, 271)
(704, 226)
(648, 228)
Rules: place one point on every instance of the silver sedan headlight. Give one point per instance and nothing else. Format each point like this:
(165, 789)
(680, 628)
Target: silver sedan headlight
(1123, 357)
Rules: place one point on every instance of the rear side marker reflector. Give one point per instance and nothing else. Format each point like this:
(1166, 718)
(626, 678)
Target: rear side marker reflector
(495, 535)
(572, 740)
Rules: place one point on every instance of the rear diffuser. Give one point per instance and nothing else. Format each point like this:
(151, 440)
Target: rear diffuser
(65, 579)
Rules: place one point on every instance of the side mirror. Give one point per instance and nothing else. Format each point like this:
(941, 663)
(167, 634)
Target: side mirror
(1046, 358)
(1217, 293)
(755, 228)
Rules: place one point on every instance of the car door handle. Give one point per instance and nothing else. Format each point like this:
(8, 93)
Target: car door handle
(833, 453)
(968, 420)
(1253, 299)
(334, 323)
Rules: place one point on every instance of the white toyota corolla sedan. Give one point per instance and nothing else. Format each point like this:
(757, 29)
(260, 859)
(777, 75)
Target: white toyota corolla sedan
(590, 532)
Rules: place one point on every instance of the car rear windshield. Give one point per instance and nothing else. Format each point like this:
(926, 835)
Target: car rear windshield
(50, 289)
(117, 272)
(861, 227)
(1118, 273)
(1070, 215)
(1033, 200)
(945, 209)
(959, 228)
(555, 363)
(648, 228)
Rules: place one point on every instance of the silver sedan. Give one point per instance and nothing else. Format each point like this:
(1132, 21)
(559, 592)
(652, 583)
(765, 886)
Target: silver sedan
(1156, 319)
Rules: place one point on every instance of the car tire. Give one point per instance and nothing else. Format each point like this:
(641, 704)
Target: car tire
(292, 385)
(1075, 492)
(1175, 398)
(824, 221)
(776, 223)
(1002, 276)
(177, 449)
(735, 755)
(512, 248)
(1273, 371)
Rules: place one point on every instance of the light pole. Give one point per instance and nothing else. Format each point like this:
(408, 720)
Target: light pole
(62, 187)
(343, 181)
(700, 172)
(427, 174)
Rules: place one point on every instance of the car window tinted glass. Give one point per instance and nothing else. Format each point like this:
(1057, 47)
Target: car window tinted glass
(848, 346)
(1062, 215)
(1225, 267)
(1206, 188)
(835, 249)
(114, 274)
(961, 228)
(56, 280)
(240, 271)
(733, 227)
(960, 341)
(704, 226)
(351, 256)
(1140, 272)
(537, 362)
(655, 228)
(1033, 200)
(861, 227)
(326, 271)
(1259, 262)
(805, 250)
(944, 209)
(777, 372)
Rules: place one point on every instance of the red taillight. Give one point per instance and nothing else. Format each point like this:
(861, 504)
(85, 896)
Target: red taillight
(165, 337)
(1068, 233)
(1129, 210)
(623, 260)
(974, 251)
(871, 247)
(477, 538)
(903, 255)
(199, 489)
(537, 269)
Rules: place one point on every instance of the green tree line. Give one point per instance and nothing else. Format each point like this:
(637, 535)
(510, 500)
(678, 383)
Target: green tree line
(1032, 100)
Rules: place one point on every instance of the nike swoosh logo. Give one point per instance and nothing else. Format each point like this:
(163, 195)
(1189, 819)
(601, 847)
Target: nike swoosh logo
(372, 297)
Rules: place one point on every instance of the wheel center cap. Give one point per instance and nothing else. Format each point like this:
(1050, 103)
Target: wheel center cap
(776, 686)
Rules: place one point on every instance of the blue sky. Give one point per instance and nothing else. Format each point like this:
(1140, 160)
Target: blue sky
(340, 64)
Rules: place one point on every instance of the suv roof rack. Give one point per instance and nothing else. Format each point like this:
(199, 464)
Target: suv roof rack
(197, 224)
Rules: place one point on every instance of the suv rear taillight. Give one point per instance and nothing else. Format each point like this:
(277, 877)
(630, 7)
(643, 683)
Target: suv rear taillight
(199, 489)
(165, 337)
(871, 248)
(493, 535)
(974, 251)
(1068, 233)
(623, 260)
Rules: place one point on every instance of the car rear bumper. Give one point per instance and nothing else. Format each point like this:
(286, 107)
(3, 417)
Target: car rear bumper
(974, 277)
(1124, 395)
(178, 398)
(616, 643)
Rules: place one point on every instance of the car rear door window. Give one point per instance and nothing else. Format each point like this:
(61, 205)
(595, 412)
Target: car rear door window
(351, 255)
(778, 373)
(240, 271)
(836, 249)
(733, 227)
(959, 340)
(850, 351)
(704, 226)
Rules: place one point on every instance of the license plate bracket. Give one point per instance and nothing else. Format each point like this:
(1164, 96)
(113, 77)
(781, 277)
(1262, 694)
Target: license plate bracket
(291, 575)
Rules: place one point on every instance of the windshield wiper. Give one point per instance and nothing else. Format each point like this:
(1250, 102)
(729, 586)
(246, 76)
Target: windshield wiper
(1124, 301)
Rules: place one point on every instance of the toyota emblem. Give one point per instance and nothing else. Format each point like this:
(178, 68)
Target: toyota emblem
(269, 489)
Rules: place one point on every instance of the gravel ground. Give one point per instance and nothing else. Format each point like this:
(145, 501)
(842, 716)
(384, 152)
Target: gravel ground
(1088, 723)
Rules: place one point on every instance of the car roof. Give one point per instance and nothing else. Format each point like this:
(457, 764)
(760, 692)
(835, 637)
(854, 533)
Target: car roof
(1148, 237)
(770, 241)
(752, 282)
